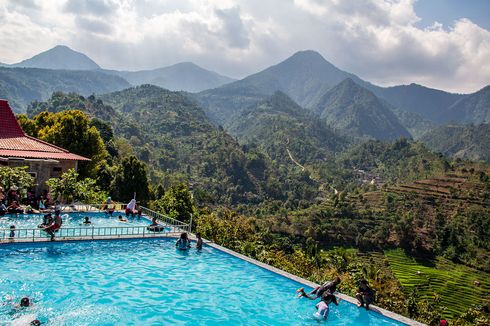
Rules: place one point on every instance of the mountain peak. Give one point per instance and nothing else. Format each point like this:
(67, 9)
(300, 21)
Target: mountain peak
(59, 57)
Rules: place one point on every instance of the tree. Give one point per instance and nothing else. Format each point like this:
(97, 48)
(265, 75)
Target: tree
(131, 178)
(17, 176)
(71, 189)
(71, 130)
(177, 202)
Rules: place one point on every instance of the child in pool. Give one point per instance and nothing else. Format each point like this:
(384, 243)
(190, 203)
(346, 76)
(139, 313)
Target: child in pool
(121, 219)
(87, 221)
(198, 241)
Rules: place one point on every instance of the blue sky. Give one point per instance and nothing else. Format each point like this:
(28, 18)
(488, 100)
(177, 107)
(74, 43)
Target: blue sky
(448, 11)
(387, 42)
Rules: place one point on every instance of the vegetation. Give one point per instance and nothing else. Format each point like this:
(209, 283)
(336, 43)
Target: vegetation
(71, 130)
(18, 177)
(70, 189)
(467, 142)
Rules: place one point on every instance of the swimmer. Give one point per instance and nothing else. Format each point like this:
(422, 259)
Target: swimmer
(12, 231)
(183, 243)
(317, 292)
(87, 220)
(322, 306)
(198, 241)
(121, 219)
(24, 303)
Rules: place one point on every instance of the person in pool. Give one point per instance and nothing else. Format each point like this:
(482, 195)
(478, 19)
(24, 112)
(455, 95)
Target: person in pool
(317, 292)
(365, 295)
(121, 219)
(55, 226)
(322, 308)
(198, 241)
(24, 303)
(87, 220)
(183, 243)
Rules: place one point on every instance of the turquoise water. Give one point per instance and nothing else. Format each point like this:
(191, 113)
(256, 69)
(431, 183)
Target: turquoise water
(30, 221)
(149, 282)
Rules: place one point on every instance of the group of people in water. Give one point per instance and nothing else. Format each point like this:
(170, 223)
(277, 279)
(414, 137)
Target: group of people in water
(326, 292)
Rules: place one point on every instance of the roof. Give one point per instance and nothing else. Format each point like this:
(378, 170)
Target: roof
(15, 143)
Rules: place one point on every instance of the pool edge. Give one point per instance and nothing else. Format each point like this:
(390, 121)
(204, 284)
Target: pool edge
(375, 309)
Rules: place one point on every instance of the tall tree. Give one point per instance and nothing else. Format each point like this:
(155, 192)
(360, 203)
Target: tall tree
(131, 178)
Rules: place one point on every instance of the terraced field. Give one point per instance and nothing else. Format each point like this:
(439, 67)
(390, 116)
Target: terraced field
(453, 283)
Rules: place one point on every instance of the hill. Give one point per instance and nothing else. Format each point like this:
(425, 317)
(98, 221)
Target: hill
(469, 142)
(304, 77)
(356, 111)
(429, 103)
(473, 108)
(184, 76)
(284, 129)
(22, 85)
(59, 57)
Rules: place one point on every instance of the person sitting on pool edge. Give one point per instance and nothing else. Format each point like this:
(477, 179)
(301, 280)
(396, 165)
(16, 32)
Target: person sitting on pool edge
(198, 241)
(14, 208)
(365, 295)
(87, 220)
(121, 219)
(183, 243)
(319, 290)
(322, 306)
(154, 226)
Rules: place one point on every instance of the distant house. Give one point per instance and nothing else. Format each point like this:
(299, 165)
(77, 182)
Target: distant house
(43, 160)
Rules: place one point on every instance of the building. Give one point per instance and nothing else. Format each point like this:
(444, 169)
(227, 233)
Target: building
(44, 161)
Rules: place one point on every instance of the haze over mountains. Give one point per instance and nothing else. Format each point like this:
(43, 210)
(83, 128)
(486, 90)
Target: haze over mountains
(336, 98)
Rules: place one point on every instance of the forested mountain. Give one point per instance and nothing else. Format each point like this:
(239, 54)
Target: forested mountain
(284, 129)
(304, 77)
(185, 76)
(354, 110)
(469, 142)
(20, 86)
(473, 108)
(429, 103)
(59, 57)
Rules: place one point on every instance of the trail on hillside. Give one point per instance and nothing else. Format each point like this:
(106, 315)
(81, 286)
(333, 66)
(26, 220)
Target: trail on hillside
(294, 161)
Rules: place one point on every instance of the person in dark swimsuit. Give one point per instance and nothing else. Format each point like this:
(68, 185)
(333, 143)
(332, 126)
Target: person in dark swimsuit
(317, 292)
(365, 295)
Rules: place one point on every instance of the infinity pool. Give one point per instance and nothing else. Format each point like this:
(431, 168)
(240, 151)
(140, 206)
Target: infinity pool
(149, 282)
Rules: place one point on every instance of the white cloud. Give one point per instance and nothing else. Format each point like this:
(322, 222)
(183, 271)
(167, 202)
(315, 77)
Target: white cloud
(375, 39)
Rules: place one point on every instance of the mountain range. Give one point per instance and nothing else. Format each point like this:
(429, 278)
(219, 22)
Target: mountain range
(349, 105)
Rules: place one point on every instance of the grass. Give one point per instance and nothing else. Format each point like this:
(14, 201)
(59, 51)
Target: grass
(452, 282)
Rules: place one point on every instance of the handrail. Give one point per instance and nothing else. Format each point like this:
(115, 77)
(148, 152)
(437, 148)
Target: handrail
(87, 232)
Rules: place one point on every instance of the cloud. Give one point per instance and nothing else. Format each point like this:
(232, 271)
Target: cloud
(233, 27)
(379, 40)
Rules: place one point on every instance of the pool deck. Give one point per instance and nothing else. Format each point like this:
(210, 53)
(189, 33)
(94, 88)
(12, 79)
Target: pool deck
(174, 235)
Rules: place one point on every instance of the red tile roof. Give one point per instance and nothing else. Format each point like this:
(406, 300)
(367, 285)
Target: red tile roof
(15, 143)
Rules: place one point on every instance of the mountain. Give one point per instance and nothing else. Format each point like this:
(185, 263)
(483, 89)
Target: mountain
(431, 104)
(184, 76)
(304, 77)
(284, 129)
(59, 57)
(469, 142)
(20, 86)
(473, 108)
(357, 111)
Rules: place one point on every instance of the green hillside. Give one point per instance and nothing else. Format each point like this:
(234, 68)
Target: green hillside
(468, 142)
(356, 111)
(473, 108)
(20, 86)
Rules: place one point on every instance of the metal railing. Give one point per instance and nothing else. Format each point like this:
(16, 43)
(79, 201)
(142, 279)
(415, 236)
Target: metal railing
(170, 225)
(85, 232)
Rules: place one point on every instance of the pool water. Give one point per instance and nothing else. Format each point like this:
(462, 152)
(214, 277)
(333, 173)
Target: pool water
(149, 282)
(31, 221)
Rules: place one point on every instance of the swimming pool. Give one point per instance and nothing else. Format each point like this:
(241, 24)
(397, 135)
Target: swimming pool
(75, 219)
(149, 282)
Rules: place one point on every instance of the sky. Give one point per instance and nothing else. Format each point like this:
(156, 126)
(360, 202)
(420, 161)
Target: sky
(443, 44)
